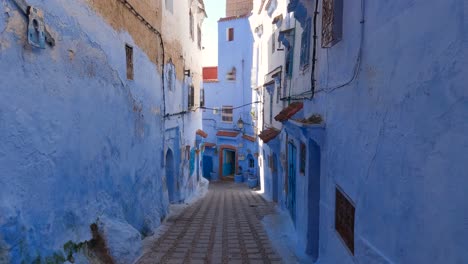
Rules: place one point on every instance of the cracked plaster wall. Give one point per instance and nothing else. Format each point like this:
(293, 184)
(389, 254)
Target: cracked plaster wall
(79, 141)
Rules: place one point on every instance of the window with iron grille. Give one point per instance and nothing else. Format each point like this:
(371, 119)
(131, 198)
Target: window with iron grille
(191, 25)
(227, 113)
(191, 97)
(344, 219)
(305, 45)
(302, 164)
(230, 34)
(129, 58)
(332, 22)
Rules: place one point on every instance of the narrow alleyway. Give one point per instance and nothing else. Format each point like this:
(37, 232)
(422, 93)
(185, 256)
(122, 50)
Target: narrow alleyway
(223, 227)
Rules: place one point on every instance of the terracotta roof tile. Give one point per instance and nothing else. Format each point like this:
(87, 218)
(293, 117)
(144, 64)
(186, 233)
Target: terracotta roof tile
(269, 134)
(201, 133)
(249, 138)
(222, 133)
(289, 111)
(232, 17)
(210, 73)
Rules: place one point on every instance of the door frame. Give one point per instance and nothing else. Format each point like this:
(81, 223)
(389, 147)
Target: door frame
(221, 158)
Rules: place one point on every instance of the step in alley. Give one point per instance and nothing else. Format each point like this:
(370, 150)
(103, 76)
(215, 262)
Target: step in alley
(223, 227)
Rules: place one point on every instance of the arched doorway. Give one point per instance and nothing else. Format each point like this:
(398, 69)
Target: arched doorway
(313, 216)
(170, 176)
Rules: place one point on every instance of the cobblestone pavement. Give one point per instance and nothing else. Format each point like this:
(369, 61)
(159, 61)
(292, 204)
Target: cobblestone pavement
(223, 227)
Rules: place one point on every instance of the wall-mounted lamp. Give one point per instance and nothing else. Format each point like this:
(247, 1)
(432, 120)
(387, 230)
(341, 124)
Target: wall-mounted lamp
(240, 123)
(187, 73)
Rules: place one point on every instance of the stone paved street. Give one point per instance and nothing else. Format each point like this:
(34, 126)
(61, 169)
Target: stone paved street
(223, 227)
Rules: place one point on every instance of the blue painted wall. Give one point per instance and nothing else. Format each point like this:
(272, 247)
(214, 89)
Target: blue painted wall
(395, 138)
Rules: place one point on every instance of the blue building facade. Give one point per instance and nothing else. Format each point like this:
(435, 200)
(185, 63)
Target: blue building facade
(369, 153)
(230, 148)
(83, 123)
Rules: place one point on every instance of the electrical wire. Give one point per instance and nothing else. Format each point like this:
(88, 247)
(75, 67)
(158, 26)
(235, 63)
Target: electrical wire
(132, 9)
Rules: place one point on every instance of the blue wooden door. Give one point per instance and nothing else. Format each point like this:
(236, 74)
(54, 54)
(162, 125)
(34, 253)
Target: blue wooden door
(228, 162)
(207, 166)
(291, 198)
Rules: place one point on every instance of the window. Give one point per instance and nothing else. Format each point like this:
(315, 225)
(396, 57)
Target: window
(169, 5)
(251, 163)
(273, 43)
(278, 87)
(227, 114)
(344, 219)
(230, 34)
(231, 75)
(332, 22)
(170, 76)
(303, 159)
(202, 97)
(289, 61)
(191, 25)
(305, 45)
(191, 97)
(129, 57)
(199, 37)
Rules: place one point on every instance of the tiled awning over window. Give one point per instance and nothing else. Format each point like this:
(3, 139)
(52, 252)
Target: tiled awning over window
(289, 111)
(222, 133)
(249, 138)
(209, 145)
(269, 134)
(201, 133)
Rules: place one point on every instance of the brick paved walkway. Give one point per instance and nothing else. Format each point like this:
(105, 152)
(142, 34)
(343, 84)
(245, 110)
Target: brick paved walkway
(223, 227)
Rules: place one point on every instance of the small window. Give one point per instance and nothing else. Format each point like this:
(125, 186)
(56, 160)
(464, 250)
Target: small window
(289, 61)
(344, 219)
(191, 97)
(199, 37)
(230, 34)
(251, 163)
(191, 25)
(227, 114)
(202, 97)
(129, 57)
(332, 22)
(169, 5)
(170, 76)
(303, 159)
(278, 87)
(273, 43)
(231, 75)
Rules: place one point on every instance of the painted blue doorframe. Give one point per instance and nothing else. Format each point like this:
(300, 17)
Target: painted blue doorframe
(171, 177)
(291, 198)
(207, 166)
(312, 247)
